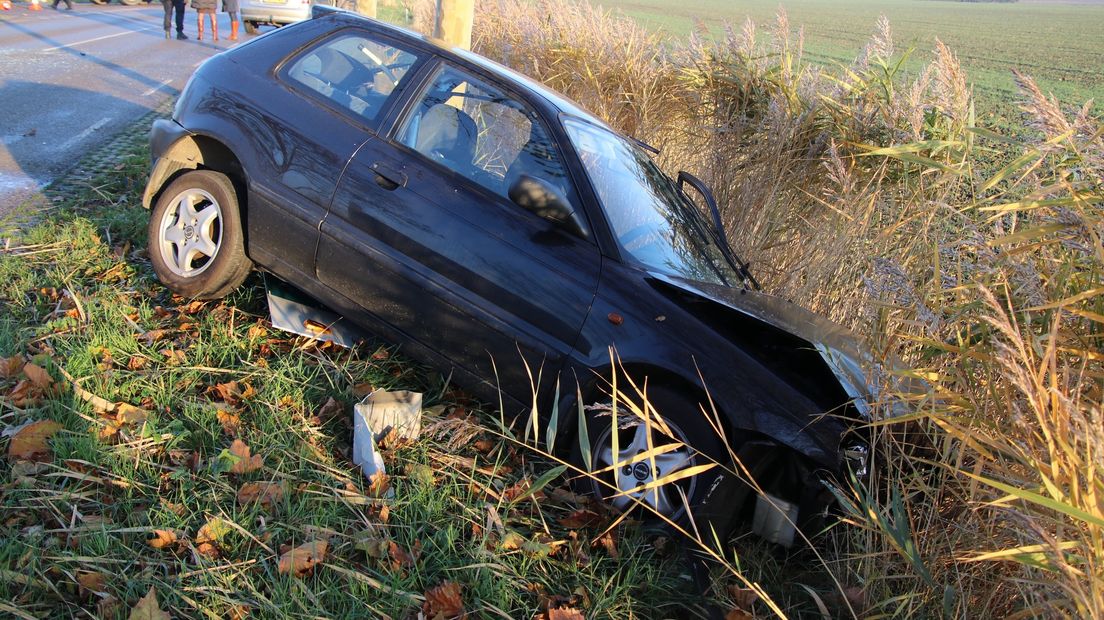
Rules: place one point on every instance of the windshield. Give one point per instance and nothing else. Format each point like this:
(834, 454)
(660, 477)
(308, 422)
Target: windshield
(653, 222)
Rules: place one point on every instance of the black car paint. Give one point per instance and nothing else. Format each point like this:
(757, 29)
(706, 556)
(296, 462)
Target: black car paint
(418, 266)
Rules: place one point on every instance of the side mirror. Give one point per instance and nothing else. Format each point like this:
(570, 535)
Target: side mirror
(540, 197)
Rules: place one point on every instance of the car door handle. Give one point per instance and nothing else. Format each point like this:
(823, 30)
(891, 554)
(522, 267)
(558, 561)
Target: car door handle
(387, 177)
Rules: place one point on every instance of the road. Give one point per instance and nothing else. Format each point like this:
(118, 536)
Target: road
(69, 80)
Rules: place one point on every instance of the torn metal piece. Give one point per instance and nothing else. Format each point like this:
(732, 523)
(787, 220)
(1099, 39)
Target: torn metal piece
(365, 453)
(396, 413)
(292, 311)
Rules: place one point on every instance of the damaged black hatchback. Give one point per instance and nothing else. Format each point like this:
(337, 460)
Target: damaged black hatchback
(500, 233)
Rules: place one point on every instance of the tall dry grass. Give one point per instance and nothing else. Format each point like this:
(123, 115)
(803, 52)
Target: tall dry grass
(872, 196)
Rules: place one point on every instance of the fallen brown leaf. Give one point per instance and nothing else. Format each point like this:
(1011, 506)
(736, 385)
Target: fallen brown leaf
(148, 608)
(161, 539)
(210, 535)
(302, 559)
(512, 541)
(231, 422)
(92, 581)
(126, 413)
(246, 463)
(136, 362)
(193, 307)
(11, 366)
(581, 518)
(400, 558)
(38, 376)
(30, 443)
(332, 409)
(213, 531)
(267, 494)
(444, 602)
(108, 607)
(609, 543)
(565, 613)
(154, 335)
(378, 484)
(742, 597)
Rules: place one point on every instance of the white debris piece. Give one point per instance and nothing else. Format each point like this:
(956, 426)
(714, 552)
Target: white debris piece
(382, 413)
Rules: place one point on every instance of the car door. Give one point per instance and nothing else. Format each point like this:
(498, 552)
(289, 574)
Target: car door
(329, 100)
(421, 234)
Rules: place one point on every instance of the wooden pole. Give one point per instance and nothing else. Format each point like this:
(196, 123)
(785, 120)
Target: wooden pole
(366, 7)
(454, 22)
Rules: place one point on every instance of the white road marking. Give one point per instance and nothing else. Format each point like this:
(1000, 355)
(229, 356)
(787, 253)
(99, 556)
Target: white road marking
(82, 135)
(157, 88)
(106, 36)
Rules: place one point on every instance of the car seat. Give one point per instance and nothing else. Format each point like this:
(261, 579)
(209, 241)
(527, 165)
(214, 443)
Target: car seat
(447, 134)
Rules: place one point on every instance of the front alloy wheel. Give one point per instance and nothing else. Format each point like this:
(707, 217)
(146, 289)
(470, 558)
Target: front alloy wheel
(654, 484)
(195, 236)
(190, 232)
(633, 480)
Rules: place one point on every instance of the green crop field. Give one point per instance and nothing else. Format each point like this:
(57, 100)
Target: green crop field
(1060, 44)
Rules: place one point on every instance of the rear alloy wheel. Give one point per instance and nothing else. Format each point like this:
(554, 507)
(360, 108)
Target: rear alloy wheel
(195, 236)
(627, 486)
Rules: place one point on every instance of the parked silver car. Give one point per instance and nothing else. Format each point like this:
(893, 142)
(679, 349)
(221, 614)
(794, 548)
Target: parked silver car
(256, 13)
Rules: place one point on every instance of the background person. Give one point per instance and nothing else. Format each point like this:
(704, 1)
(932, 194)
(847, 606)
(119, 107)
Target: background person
(232, 7)
(206, 8)
(178, 5)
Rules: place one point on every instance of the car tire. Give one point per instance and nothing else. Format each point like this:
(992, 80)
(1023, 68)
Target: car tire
(686, 421)
(196, 243)
(250, 27)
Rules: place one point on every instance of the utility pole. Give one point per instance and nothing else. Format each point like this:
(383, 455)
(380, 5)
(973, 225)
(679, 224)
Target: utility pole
(454, 22)
(366, 7)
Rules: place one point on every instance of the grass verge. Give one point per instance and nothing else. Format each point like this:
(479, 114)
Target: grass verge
(196, 449)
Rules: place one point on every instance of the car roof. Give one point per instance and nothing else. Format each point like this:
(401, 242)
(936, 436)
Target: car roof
(518, 80)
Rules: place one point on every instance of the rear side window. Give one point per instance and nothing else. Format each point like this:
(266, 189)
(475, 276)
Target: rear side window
(354, 72)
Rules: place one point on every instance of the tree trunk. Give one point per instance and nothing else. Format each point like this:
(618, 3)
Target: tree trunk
(366, 7)
(454, 22)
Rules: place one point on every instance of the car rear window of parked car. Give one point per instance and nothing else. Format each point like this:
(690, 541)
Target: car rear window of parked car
(355, 72)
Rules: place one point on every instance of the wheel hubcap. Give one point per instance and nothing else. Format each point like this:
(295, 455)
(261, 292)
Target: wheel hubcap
(631, 479)
(190, 232)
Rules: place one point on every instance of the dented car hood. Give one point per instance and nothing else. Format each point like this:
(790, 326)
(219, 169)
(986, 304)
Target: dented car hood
(844, 352)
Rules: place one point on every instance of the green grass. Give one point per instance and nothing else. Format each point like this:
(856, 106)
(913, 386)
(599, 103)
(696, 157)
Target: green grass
(89, 509)
(1059, 44)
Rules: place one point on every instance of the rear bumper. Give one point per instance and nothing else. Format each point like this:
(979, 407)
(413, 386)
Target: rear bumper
(275, 14)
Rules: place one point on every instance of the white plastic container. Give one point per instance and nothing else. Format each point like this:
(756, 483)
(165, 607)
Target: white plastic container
(774, 519)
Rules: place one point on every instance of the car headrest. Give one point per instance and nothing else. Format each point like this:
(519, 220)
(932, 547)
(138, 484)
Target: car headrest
(335, 67)
(448, 133)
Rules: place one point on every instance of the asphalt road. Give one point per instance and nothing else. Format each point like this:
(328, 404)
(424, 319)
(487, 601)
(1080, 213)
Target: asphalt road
(69, 80)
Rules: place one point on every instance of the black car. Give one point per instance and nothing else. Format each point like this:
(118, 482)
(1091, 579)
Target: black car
(499, 232)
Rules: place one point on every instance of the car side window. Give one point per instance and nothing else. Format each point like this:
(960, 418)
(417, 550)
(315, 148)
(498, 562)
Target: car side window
(354, 72)
(480, 132)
